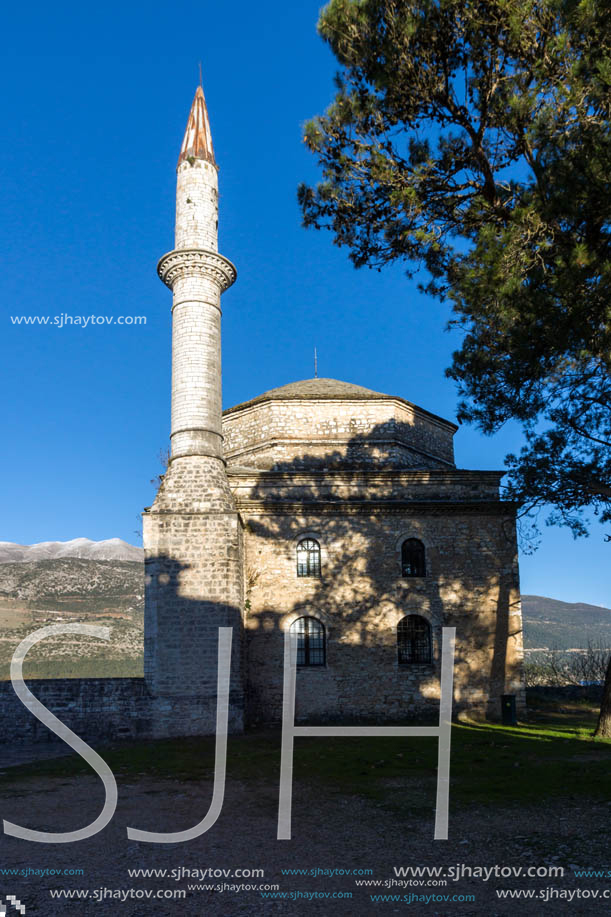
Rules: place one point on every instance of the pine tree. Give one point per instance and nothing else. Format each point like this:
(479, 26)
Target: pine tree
(471, 137)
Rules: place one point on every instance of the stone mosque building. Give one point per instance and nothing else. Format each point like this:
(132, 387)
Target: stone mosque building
(322, 507)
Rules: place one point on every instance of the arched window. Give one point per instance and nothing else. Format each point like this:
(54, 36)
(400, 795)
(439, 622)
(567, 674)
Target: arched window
(412, 558)
(414, 640)
(310, 641)
(308, 557)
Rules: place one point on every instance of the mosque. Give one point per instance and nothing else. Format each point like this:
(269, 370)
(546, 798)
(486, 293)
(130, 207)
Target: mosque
(322, 508)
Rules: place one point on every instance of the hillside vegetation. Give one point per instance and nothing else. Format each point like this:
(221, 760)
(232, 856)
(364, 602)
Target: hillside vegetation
(551, 624)
(111, 592)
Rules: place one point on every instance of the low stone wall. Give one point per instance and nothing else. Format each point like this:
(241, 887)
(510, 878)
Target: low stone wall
(101, 710)
(96, 709)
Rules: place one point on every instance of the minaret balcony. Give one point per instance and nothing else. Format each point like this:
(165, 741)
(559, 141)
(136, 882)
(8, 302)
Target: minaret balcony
(196, 262)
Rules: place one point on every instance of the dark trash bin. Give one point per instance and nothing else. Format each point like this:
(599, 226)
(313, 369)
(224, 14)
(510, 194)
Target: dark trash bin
(508, 708)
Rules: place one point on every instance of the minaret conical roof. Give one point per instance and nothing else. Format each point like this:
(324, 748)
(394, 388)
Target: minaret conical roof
(197, 142)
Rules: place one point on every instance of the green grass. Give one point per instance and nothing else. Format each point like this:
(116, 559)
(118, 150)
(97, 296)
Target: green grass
(553, 756)
(80, 667)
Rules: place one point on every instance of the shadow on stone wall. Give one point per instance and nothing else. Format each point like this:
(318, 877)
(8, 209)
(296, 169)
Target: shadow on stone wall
(360, 515)
(181, 652)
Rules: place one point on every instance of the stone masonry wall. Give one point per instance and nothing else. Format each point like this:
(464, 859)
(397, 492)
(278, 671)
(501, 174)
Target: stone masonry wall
(194, 585)
(275, 433)
(101, 710)
(97, 709)
(471, 582)
(363, 487)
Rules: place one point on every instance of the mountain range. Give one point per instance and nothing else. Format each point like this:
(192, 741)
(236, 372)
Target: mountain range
(96, 582)
(83, 548)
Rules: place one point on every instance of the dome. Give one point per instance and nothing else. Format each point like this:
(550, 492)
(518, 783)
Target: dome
(312, 389)
(323, 390)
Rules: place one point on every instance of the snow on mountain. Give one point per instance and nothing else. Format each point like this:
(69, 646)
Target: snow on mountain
(83, 548)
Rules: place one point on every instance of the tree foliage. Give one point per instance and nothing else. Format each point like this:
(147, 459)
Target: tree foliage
(472, 138)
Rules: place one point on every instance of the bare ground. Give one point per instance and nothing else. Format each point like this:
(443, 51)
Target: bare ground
(330, 830)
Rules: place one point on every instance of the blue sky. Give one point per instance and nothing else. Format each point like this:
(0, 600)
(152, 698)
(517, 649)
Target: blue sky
(95, 104)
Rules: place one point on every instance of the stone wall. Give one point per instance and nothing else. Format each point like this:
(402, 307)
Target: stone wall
(358, 487)
(471, 582)
(276, 434)
(193, 586)
(97, 709)
(102, 710)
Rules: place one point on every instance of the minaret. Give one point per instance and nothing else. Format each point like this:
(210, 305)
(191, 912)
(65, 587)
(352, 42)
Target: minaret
(197, 275)
(191, 534)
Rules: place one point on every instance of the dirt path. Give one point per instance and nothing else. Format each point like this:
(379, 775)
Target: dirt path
(330, 831)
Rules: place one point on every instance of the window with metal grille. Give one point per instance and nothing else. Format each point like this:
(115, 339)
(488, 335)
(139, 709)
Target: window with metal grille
(310, 641)
(412, 558)
(308, 557)
(414, 640)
